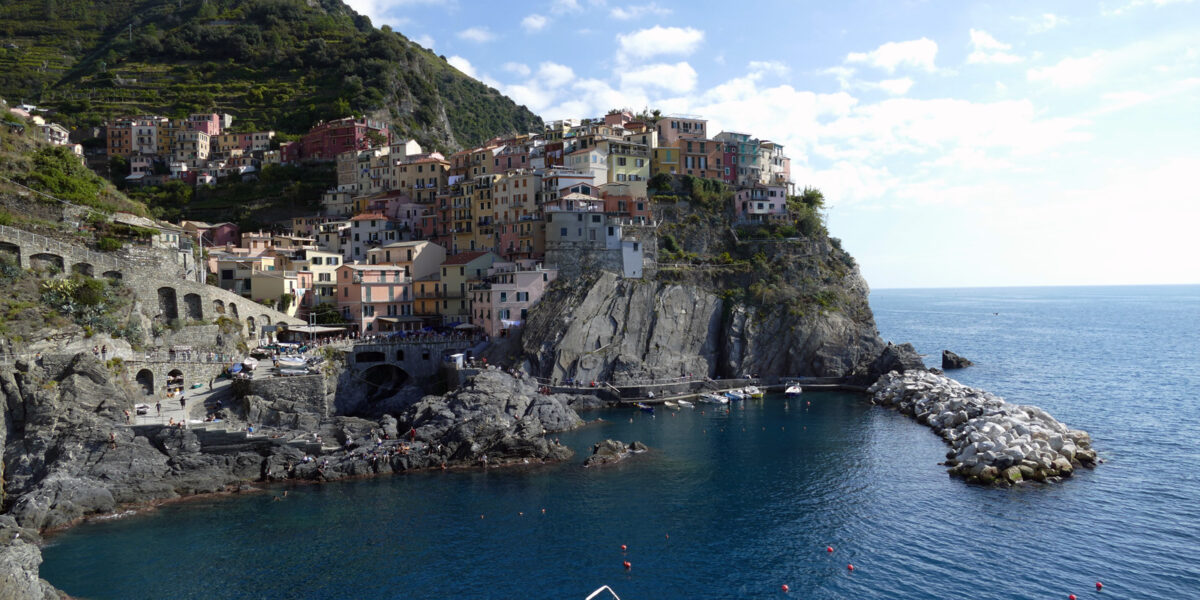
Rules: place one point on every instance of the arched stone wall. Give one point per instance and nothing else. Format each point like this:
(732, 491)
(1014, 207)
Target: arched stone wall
(168, 303)
(384, 381)
(45, 260)
(233, 311)
(218, 307)
(113, 275)
(145, 379)
(12, 250)
(250, 325)
(194, 306)
(369, 357)
(83, 269)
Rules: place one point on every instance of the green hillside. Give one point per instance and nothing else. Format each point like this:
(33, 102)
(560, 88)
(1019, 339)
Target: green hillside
(275, 64)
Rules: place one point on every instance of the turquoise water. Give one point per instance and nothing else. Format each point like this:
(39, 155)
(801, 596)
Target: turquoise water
(736, 505)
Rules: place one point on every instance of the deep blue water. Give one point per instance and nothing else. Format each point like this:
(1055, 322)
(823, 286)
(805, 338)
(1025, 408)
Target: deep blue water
(736, 505)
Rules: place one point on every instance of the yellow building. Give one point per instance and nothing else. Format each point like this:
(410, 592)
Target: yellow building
(483, 213)
(455, 277)
(323, 265)
(665, 161)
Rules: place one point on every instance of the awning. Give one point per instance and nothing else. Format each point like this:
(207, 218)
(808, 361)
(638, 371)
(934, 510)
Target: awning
(466, 326)
(399, 319)
(316, 328)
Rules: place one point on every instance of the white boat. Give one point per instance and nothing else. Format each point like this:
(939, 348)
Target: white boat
(250, 363)
(735, 395)
(793, 390)
(292, 362)
(686, 403)
(670, 404)
(713, 399)
(752, 392)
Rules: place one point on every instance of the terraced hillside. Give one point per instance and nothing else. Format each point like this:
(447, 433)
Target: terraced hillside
(279, 64)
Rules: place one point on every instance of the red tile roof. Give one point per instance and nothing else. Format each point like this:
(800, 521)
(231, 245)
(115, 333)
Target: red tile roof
(463, 258)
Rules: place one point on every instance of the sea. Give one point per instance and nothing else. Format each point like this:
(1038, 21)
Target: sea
(739, 504)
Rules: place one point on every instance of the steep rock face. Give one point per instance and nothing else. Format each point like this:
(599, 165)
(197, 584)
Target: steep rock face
(19, 560)
(625, 331)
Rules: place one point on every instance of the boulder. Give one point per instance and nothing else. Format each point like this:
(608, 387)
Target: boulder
(612, 451)
(951, 360)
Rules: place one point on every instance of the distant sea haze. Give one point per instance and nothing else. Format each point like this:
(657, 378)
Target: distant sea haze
(740, 504)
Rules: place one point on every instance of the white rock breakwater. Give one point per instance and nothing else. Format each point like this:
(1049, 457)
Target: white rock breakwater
(993, 441)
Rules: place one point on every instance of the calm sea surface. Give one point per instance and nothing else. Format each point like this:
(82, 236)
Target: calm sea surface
(736, 505)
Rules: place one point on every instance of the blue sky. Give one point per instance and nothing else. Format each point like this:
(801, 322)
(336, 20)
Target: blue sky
(958, 144)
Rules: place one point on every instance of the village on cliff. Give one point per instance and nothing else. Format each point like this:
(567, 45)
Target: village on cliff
(410, 239)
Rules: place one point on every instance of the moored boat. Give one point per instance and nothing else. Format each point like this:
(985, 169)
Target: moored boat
(713, 399)
(686, 403)
(735, 395)
(753, 392)
(793, 390)
(645, 407)
(670, 404)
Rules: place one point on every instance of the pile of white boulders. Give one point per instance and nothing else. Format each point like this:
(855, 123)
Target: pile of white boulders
(993, 441)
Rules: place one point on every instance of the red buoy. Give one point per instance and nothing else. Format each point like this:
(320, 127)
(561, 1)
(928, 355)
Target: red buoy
(1071, 597)
(1099, 586)
(829, 548)
(785, 588)
(850, 567)
(624, 547)
(628, 565)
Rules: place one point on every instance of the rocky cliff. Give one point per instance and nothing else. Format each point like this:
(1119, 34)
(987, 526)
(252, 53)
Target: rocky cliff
(626, 331)
(69, 454)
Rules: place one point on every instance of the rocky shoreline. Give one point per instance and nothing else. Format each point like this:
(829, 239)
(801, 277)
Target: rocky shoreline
(992, 441)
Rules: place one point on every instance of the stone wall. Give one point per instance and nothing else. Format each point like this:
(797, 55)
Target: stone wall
(303, 393)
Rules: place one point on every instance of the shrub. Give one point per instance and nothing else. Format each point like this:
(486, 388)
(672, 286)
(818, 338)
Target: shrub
(108, 244)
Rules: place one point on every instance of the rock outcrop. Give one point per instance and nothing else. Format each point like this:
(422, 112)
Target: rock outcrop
(630, 331)
(69, 454)
(612, 451)
(992, 441)
(951, 360)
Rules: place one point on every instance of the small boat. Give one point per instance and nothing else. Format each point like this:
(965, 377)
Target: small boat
(291, 371)
(713, 399)
(686, 403)
(793, 390)
(249, 364)
(735, 395)
(753, 392)
(670, 404)
(645, 407)
(293, 362)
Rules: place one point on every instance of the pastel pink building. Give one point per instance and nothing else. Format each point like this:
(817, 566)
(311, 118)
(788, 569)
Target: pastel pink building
(761, 203)
(501, 302)
(329, 139)
(208, 123)
(376, 298)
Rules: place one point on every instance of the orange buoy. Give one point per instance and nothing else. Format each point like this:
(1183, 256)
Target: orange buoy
(829, 548)
(850, 567)
(1099, 586)
(668, 536)
(624, 547)
(628, 565)
(785, 588)
(543, 511)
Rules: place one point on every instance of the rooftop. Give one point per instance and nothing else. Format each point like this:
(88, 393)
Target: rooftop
(463, 258)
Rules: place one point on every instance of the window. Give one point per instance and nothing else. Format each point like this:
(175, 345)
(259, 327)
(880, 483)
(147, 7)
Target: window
(562, 232)
(345, 292)
(620, 161)
(504, 296)
(640, 162)
(227, 274)
(641, 206)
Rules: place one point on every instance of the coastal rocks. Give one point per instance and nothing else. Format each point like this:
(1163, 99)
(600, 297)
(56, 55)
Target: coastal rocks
(496, 416)
(992, 441)
(629, 331)
(612, 451)
(901, 358)
(19, 561)
(951, 360)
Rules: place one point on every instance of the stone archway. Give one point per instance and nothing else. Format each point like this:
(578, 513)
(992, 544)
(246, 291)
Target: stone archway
(12, 251)
(383, 381)
(145, 379)
(233, 311)
(113, 275)
(175, 382)
(250, 325)
(168, 303)
(83, 269)
(45, 260)
(218, 307)
(194, 306)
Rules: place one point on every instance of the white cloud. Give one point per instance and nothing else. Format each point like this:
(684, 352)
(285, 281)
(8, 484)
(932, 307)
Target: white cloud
(534, 22)
(988, 50)
(462, 64)
(379, 10)
(560, 7)
(657, 40)
(555, 75)
(516, 68)
(895, 87)
(638, 11)
(1139, 3)
(425, 40)
(478, 35)
(1046, 22)
(1070, 72)
(915, 53)
(773, 67)
(677, 78)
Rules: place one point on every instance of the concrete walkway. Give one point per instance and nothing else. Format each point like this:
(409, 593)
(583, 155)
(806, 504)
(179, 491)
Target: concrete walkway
(195, 411)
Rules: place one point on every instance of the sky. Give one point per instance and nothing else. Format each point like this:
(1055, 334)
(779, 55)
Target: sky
(958, 144)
